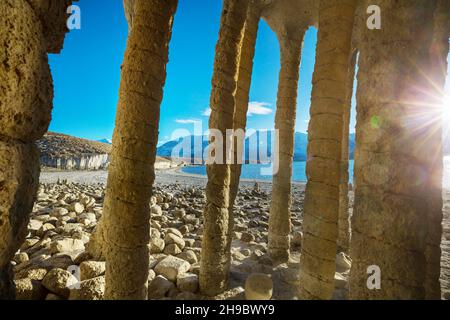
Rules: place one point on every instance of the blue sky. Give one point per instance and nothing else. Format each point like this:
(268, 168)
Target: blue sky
(87, 72)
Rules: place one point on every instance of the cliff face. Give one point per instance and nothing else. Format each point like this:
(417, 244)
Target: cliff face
(82, 162)
(63, 152)
(70, 153)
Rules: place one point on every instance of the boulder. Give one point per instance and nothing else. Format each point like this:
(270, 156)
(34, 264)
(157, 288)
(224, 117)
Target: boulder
(187, 282)
(59, 282)
(91, 289)
(171, 267)
(172, 249)
(172, 238)
(189, 256)
(28, 289)
(343, 262)
(258, 286)
(159, 287)
(92, 269)
(66, 245)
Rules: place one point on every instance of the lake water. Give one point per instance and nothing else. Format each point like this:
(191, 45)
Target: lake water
(253, 171)
(259, 171)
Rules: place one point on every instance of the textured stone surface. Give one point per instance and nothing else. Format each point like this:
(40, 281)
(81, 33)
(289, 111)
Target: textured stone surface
(18, 185)
(26, 91)
(171, 267)
(258, 286)
(53, 16)
(389, 223)
(91, 289)
(215, 254)
(59, 281)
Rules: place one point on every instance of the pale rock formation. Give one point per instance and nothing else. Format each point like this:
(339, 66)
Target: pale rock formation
(131, 172)
(91, 289)
(258, 286)
(215, 246)
(289, 20)
(91, 269)
(59, 282)
(28, 31)
(323, 168)
(393, 175)
(172, 267)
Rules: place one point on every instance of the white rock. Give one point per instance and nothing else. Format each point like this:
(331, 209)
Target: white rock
(66, 245)
(187, 282)
(189, 256)
(92, 269)
(34, 225)
(171, 267)
(175, 232)
(343, 263)
(258, 286)
(59, 212)
(172, 249)
(156, 245)
(92, 289)
(21, 257)
(59, 281)
(77, 207)
(171, 238)
(156, 210)
(158, 288)
(339, 281)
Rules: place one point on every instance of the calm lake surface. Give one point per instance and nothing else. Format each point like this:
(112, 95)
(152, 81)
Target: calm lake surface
(260, 171)
(254, 171)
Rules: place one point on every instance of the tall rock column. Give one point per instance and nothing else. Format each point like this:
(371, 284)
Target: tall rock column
(438, 60)
(131, 172)
(28, 30)
(242, 100)
(215, 259)
(323, 168)
(280, 207)
(343, 242)
(392, 169)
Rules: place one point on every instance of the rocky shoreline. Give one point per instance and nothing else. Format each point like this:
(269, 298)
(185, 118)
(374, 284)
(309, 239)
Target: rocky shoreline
(54, 262)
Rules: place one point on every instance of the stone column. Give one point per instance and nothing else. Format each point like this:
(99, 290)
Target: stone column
(438, 60)
(343, 220)
(392, 171)
(242, 100)
(323, 168)
(28, 30)
(215, 257)
(280, 207)
(131, 172)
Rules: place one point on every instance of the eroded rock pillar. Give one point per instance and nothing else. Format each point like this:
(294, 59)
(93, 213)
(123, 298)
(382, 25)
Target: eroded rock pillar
(392, 170)
(131, 172)
(323, 168)
(280, 207)
(438, 59)
(28, 30)
(215, 260)
(344, 217)
(242, 100)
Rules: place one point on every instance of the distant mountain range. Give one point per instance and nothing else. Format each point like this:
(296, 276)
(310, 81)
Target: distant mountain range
(254, 148)
(301, 142)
